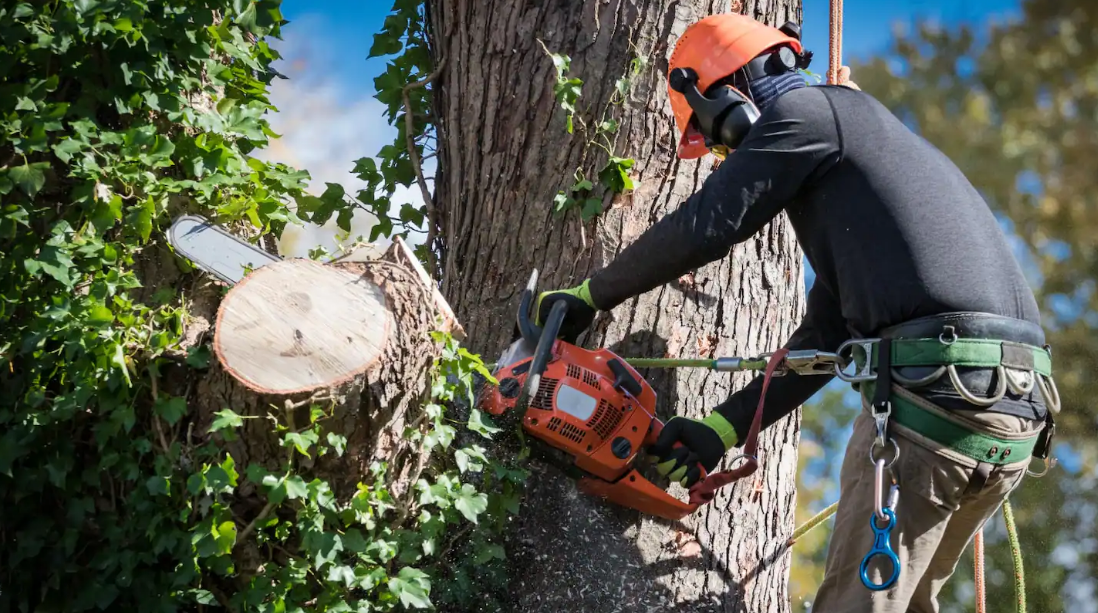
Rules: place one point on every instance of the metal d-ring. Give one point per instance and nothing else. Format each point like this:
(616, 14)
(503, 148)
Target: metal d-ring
(927, 380)
(1047, 393)
(742, 455)
(972, 398)
(1021, 389)
(895, 447)
(1049, 463)
(952, 336)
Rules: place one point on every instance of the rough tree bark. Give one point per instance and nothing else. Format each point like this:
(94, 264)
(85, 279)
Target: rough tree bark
(503, 155)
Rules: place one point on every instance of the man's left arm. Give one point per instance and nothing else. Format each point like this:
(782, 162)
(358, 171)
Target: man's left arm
(707, 440)
(823, 328)
(794, 141)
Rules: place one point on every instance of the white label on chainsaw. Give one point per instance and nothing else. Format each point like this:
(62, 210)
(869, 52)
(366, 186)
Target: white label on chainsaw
(575, 403)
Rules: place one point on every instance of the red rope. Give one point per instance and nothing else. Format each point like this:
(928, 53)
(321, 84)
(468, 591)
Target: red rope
(978, 554)
(703, 491)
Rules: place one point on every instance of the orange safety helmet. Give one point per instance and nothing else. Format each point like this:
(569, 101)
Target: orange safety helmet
(714, 49)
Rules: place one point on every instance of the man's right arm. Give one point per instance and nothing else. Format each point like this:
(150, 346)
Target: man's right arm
(794, 142)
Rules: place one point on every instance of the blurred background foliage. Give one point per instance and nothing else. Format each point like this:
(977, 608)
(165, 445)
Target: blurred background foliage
(1015, 106)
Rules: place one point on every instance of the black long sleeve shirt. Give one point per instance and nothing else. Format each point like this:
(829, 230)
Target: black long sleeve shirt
(891, 227)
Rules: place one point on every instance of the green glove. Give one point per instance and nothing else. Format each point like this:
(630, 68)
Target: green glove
(703, 441)
(581, 310)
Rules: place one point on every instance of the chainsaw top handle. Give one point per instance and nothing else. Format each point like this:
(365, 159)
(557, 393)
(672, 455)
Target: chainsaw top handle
(530, 331)
(546, 338)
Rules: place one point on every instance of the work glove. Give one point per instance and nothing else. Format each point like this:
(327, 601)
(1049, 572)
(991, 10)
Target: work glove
(581, 310)
(704, 441)
(844, 78)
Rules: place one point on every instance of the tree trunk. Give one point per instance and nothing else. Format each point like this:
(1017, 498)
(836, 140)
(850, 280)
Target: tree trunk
(504, 153)
(354, 336)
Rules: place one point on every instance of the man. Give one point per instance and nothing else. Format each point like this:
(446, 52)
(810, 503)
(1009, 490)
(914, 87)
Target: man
(904, 249)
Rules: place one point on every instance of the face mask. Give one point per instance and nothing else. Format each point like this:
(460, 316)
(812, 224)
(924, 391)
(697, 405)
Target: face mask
(765, 90)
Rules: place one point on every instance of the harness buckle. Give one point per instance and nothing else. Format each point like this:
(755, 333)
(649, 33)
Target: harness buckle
(880, 417)
(813, 362)
(865, 371)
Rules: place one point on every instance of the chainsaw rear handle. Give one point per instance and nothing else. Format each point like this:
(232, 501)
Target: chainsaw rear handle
(654, 435)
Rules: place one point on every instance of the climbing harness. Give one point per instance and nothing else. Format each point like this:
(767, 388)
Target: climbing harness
(1018, 367)
(882, 545)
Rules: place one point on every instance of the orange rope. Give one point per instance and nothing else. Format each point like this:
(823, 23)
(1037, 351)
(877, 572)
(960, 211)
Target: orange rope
(978, 554)
(836, 49)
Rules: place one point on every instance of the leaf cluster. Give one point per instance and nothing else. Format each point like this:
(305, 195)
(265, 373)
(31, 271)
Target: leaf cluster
(115, 117)
(614, 175)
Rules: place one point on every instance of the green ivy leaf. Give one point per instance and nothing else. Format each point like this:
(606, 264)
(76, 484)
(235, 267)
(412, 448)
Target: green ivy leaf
(481, 424)
(470, 503)
(591, 209)
(276, 487)
(296, 488)
(341, 574)
(441, 434)
(225, 537)
(157, 485)
(107, 213)
(470, 458)
(99, 315)
(413, 587)
(139, 220)
(615, 175)
(29, 177)
(198, 356)
(171, 410)
(55, 262)
(562, 202)
(487, 552)
(301, 441)
(226, 418)
(338, 442)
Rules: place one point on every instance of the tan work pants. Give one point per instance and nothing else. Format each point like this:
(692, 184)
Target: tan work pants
(943, 502)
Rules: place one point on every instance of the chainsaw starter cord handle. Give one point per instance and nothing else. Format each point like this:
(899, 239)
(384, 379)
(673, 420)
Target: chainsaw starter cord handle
(623, 380)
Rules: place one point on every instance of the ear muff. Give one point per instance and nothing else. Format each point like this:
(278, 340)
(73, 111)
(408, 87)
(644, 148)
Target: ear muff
(724, 117)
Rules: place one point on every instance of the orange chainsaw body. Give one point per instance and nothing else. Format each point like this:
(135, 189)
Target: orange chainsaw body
(597, 409)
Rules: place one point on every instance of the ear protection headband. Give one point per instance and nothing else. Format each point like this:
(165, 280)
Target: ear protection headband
(724, 115)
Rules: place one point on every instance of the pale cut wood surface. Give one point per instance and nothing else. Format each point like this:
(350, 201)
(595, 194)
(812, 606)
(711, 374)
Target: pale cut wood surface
(297, 325)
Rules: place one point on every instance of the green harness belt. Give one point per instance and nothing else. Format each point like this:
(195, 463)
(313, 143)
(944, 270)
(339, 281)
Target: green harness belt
(976, 445)
(973, 352)
(958, 352)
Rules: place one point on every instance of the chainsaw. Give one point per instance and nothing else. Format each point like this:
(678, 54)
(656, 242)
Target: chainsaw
(593, 411)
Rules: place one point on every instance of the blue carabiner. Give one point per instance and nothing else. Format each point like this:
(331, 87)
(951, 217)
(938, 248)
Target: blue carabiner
(881, 547)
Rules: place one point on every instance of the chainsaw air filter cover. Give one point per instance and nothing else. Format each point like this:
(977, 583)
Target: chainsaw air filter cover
(589, 404)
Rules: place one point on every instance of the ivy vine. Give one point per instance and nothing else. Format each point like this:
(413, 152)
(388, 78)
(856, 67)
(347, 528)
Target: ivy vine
(116, 116)
(614, 177)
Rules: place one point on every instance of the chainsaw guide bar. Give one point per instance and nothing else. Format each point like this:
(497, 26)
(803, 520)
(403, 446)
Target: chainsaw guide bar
(216, 251)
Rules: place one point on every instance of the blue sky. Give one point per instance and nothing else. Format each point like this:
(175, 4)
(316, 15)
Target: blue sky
(329, 118)
(348, 28)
